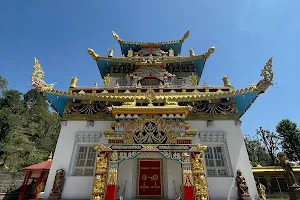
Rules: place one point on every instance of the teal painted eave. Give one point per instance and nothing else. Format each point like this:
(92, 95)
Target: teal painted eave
(165, 47)
(243, 102)
(58, 103)
(103, 65)
(199, 65)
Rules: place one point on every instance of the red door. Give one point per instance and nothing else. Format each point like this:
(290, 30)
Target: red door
(150, 178)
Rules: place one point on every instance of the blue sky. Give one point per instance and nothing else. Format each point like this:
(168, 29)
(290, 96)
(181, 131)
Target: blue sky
(246, 33)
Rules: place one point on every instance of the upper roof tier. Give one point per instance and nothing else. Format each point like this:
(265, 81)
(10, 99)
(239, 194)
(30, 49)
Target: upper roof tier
(165, 46)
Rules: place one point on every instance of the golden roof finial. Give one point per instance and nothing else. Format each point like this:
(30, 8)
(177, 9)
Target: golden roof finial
(267, 74)
(93, 54)
(115, 35)
(185, 36)
(226, 81)
(50, 157)
(37, 76)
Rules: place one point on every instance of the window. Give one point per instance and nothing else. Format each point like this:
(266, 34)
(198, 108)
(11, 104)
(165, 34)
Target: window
(216, 156)
(85, 161)
(215, 161)
(84, 156)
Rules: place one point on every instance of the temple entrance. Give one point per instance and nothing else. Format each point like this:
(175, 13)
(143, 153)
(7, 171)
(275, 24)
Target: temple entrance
(150, 178)
(140, 171)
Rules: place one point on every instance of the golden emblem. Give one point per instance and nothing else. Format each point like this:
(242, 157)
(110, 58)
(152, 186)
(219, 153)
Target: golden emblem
(150, 96)
(144, 177)
(106, 80)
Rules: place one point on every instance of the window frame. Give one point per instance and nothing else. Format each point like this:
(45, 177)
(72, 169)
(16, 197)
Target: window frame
(87, 140)
(216, 139)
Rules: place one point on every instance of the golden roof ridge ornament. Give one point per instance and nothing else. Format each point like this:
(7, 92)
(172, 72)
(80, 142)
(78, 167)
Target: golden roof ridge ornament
(267, 74)
(185, 36)
(93, 54)
(37, 76)
(116, 36)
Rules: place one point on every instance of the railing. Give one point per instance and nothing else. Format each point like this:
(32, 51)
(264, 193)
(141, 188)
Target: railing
(123, 193)
(177, 197)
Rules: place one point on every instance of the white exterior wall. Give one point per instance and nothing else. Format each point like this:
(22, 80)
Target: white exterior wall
(75, 187)
(80, 187)
(225, 187)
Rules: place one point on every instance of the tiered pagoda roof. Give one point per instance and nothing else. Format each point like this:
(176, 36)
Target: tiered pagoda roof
(162, 55)
(161, 59)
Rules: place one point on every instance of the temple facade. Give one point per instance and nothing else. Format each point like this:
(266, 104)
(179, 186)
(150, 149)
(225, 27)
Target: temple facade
(151, 131)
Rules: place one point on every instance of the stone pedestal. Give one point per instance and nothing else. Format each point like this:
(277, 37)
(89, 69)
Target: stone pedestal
(54, 196)
(244, 197)
(294, 192)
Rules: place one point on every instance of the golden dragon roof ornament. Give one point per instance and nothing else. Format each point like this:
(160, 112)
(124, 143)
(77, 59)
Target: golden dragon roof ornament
(267, 74)
(37, 76)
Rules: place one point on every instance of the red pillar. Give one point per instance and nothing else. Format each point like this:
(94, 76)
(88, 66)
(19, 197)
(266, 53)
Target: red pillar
(23, 188)
(187, 182)
(111, 192)
(39, 185)
(188, 193)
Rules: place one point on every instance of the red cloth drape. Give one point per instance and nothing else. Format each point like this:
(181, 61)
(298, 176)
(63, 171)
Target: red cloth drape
(188, 193)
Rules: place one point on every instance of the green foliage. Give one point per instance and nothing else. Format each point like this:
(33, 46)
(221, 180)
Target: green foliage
(270, 141)
(28, 130)
(257, 152)
(290, 135)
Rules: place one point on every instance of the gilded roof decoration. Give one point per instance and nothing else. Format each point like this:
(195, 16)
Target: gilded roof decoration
(37, 78)
(116, 36)
(157, 59)
(180, 97)
(267, 74)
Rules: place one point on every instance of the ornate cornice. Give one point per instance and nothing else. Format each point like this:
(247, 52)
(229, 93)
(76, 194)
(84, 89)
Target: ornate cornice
(116, 36)
(156, 61)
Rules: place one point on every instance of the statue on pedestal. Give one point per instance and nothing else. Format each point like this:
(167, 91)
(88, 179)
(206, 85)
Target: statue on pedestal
(261, 191)
(243, 191)
(294, 188)
(58, 185)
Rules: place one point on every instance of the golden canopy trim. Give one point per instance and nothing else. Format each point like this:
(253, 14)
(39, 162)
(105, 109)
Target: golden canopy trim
(161, 126)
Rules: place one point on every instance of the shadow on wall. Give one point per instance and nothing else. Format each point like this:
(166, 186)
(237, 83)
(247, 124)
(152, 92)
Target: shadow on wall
(12, 195)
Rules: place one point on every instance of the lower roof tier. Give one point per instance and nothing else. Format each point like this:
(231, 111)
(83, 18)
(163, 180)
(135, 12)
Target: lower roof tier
(242, 99)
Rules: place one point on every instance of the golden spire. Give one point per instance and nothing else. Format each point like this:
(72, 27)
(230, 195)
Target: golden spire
(110, 53)
(192, 53)
(74, 82)
(226, 81)
(50, 157)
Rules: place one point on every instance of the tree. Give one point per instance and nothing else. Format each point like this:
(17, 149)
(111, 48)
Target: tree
(3, 84)
(256, 151)
(270, 141)
(290, 135)
(28, 130)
